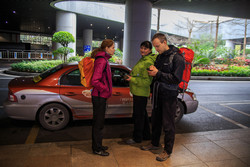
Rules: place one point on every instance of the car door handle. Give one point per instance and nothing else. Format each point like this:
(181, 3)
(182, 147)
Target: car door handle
(69, 94)
(117, 94)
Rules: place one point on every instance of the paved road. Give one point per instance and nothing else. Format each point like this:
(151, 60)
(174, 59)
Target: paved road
(222, 105)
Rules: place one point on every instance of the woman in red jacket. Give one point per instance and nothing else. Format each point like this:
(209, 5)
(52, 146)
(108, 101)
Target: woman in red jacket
(102, 90)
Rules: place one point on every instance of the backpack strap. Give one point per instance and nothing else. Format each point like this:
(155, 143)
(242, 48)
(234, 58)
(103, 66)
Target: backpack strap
(171, 60)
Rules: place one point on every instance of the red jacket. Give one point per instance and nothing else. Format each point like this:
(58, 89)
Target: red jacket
(102, 79)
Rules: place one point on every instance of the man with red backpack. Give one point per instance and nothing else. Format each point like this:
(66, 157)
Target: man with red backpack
(167, 72)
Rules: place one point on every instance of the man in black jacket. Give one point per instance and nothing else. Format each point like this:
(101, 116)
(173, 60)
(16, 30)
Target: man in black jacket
(167, 72)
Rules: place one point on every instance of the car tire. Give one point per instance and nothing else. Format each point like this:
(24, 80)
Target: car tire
(179, 111)
(54, 117)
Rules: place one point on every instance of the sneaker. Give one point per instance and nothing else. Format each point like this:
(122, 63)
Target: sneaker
(130, 141)
(101, 153)
(150, 147)
(163, 156)
(105, 147)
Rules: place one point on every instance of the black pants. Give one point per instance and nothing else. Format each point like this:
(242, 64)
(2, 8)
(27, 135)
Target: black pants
(99, 108)
(164, 116)
(141, 120)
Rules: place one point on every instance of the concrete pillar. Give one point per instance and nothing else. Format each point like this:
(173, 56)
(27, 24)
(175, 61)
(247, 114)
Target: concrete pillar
(87, 40)
(229, 44)
(66, 21)
(137, 28)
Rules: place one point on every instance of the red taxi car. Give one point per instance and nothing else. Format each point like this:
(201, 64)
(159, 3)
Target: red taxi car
(56, 96)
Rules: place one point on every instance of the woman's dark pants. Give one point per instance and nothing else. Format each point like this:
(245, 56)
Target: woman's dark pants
(99, 108)
(141, 120)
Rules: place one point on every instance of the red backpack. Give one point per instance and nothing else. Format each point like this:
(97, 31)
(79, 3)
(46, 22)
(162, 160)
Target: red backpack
(188, 55)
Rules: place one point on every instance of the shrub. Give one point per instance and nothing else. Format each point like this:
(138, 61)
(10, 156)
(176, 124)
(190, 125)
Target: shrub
(35, 66)
(240, 61)
(247, 62)
(74, 58)
(200, 60)
(241, 71)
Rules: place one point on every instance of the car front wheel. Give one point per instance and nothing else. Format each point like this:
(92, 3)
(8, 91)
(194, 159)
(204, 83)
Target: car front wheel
(54, 117)
(179, 111)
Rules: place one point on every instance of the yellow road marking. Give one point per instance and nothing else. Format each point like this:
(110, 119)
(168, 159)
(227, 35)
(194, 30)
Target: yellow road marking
(225, 118)
(32, 135)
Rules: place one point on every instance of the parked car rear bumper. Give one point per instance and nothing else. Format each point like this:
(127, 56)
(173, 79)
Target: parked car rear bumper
(20, 111)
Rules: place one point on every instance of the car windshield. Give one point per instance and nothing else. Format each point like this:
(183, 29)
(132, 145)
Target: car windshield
(47, 73)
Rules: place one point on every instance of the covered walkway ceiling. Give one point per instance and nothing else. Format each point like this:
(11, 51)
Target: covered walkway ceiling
(38, 16)
(229, 8)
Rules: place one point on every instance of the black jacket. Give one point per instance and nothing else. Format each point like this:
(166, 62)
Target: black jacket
(170, 73)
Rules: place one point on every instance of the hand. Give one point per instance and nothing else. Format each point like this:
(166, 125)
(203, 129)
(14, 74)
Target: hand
(127, 77)
(153, 71)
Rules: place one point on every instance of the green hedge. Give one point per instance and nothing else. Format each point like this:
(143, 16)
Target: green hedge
(235, 71)
(35, 66)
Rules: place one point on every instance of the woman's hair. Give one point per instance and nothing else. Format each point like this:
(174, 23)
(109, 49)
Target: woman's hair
(160, 36)
(105, 43)
(146, 44)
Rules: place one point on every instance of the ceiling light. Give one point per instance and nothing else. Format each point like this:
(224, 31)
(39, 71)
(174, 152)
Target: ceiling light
(91, 25)
(107, 27)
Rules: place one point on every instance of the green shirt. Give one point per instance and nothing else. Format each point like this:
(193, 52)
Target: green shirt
(140, 80)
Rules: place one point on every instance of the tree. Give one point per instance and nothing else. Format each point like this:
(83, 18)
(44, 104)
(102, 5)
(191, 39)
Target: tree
(216, 35)
(245, 39)
(191, 26)
(176, 40)
(64, 38)
(204, 49)
(217, 23)
(239, 23)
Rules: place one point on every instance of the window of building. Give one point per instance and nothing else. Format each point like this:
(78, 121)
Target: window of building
(36, 39)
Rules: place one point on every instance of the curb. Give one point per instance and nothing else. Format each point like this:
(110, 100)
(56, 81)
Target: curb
(219, 78)
(20, 73)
